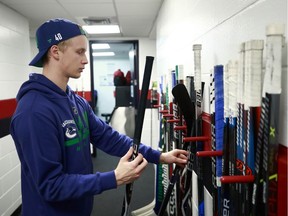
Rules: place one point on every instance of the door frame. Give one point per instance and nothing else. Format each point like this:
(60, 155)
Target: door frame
(135, 73)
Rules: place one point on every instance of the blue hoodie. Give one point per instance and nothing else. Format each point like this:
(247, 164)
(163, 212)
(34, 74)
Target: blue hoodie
(52, 131)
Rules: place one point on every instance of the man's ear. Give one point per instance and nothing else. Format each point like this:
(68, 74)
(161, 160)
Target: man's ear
(54, 52)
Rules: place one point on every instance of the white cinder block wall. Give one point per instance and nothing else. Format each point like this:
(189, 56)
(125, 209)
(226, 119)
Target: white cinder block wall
(220, 26)
(14, 55)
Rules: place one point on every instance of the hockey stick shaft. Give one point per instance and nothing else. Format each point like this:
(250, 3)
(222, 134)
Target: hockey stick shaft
(198, 168)
(219, 125)
(186, 203)
(138, 128)
(272, 87)
(226, 202)
(252, 101)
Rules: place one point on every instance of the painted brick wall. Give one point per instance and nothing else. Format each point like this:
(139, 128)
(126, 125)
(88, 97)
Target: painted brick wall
(14, 55)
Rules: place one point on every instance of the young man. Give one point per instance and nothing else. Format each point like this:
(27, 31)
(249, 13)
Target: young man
(53, 128)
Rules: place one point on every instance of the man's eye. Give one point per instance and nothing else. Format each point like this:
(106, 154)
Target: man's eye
(81, 52)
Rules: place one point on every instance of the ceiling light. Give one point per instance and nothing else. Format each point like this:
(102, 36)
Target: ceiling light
(100, 46)
(103, 54)
(101, 29)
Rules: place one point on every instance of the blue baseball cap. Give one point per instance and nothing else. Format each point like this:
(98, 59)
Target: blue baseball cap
(52, 32)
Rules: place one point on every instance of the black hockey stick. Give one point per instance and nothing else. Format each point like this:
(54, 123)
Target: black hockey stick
(272, 86)
(172, 206)
(138, 128)
(184, 102)
(187, 205)
(176, 141)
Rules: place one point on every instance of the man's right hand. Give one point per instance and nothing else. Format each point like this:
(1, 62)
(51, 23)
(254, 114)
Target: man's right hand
(128, 171)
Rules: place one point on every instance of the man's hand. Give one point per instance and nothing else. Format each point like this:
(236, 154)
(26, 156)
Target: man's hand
(128, 171)
(177, 156)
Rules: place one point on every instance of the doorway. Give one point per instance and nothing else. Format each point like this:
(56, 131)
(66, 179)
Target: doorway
(106, 58)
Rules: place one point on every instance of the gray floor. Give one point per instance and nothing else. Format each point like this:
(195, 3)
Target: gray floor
(109, 203)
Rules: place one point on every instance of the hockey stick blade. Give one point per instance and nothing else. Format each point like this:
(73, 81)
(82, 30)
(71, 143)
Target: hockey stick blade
(183, 100)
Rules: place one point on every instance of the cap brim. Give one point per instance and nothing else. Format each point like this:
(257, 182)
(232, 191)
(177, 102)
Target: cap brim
(37, 61)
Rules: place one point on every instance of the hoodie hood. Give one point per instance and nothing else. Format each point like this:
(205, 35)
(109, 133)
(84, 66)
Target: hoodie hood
(40, 83)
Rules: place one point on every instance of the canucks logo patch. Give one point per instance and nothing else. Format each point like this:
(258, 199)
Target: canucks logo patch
(70, 132)
(76, 131)
(70, 129)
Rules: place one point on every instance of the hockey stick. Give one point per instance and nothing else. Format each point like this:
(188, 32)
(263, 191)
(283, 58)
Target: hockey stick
(213, 188)
(272, 86)
(239, 124)
(257, 187)
(177, 121)
(184, 102)
(159, 181)
(138, 128)
(258, 206)
(233, 75)
(229, 157)
(226, 202)
(170, 143)
(167, 139)
(198, 191)
(252, 103)
(186, 205)
(219, 125)
(193, 189)
(172, 206)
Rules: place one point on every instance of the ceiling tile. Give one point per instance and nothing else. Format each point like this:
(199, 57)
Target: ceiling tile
(136, 21)
(39, 11)
(137, 9)
(90, 9)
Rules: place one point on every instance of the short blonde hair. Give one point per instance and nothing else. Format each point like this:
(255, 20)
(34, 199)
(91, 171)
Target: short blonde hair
(62, 47)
